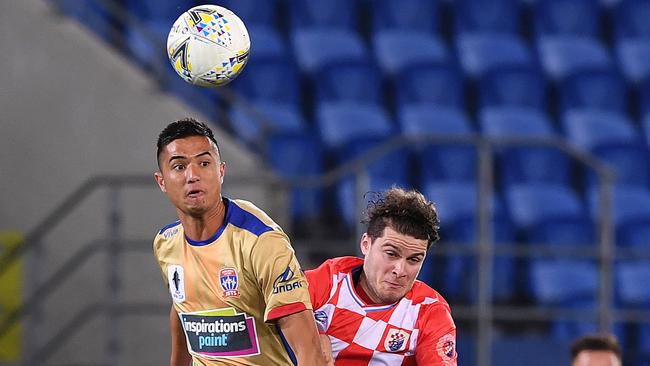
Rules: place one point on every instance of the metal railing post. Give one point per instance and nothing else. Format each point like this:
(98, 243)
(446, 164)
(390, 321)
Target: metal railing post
(484, 271)
(33, 335)
(606, 256)
(113, 259)
(361, 187)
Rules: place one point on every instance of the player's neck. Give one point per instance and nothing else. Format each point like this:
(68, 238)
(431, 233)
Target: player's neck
(200, 228)
(364, 292)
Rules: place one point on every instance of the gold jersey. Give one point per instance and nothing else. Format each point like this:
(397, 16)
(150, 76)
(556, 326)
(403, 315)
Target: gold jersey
(229, 289)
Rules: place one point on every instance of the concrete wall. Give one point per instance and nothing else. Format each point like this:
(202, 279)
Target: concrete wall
(71, 108)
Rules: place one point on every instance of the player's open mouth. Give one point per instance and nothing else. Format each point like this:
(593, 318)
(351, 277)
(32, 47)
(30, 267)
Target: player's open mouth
(194, 193)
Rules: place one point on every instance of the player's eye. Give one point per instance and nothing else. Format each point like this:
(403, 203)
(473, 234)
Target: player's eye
(391, 254)
(415, 260)
(178, 167)
(205, 163)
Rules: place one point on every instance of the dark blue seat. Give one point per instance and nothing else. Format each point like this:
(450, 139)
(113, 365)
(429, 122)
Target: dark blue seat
(267, 44)
(299, 155)
(632, 283)
(631, 214)
(146, 44)
(269, 80)
(576, 17)
(513, 86)
(439, 162)
(314, 48)
(254, 126)
(495, 16)
(457, 206)
(633, 54)
(334, 14)
(611, 137)
(397, 50)
(528, 163)
(564, 282)
(563, 55)
(355, 81)
(419, 15)
(253, 11)
(439, 85)
(600, 89)
(479, 53)
(633, 38)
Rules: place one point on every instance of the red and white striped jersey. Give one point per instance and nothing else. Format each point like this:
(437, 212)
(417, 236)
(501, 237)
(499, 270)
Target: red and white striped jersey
(417, 330)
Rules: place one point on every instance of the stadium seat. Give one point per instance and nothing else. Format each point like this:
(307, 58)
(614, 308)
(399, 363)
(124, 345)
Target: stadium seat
(480, 53)
(575, 17)
(630, 216)
(457, 206)
(633, 38)
(529, 351)
(147, 43)
(296, 155)
(342, 123)
(254, 126)
(563, 55)
(397, 49)
(333, 14)
(495, 16)
(527, 163)
(632, 283)
(269, 80)
(633, 54)
(267, 44)
(253, 11)
(611, 137)
(513, 86)
(564, 282)
(418, 15)
(315, 48)
(152, 10)
(430, 84)
(600, 89)
(354, 81)
(439, 162)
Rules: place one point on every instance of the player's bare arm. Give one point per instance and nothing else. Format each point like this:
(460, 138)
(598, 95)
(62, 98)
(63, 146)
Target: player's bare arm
(300, 331)
(179, 356)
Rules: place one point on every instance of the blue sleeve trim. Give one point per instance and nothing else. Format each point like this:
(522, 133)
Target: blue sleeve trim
(287, 347)
(175, 223)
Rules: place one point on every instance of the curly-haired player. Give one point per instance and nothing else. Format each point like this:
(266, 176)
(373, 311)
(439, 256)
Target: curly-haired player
(373, 310)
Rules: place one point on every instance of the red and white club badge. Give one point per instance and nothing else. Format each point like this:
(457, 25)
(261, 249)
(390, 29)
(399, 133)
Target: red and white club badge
(446, 347)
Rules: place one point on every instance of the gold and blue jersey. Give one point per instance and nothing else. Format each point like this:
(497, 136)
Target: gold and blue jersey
(229, 289)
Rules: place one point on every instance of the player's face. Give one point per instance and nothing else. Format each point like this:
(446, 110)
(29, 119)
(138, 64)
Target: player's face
(392, 262)
(596, 358)
(191, 173)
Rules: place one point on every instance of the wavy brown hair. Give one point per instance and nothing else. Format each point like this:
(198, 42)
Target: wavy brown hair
(406, 211)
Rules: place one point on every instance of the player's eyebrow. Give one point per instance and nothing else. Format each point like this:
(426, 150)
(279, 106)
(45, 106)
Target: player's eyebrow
(176, 157)
(399, 250)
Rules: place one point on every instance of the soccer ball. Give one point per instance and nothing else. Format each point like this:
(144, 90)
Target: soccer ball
(208, 45)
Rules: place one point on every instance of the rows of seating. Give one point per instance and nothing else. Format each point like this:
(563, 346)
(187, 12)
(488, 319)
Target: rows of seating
(331, 80)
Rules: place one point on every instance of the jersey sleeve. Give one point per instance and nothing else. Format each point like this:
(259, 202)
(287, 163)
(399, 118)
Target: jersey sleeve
(279, 276)
(436, 345)
(320, 283)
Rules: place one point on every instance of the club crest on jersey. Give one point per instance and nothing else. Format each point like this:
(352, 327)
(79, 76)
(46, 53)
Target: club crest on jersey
(176, 282)
(396, 340)
(229, 282)
(446, 347)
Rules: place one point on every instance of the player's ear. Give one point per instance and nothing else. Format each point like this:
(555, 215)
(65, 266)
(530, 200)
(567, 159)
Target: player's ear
(365, 243)
(222, 170)
(160, 180)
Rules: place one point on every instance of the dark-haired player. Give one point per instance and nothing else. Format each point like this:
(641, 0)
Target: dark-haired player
(239, 295)
(373, 311)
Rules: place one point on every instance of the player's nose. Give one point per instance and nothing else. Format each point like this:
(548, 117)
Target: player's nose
(192, 174)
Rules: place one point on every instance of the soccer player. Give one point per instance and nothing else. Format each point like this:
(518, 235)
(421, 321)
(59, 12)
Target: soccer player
(373, 311)
(238, 294)
(596, 350)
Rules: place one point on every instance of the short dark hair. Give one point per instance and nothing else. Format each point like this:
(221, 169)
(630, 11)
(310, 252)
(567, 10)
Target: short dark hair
(182, 128)
(596, 342)
(407, 212)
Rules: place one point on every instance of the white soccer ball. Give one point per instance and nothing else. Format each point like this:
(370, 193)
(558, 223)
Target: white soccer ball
(208, 45)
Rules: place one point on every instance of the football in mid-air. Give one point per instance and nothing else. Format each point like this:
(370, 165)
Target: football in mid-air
(208, 45)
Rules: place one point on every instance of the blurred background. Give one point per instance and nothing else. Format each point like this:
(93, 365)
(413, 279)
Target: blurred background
(526, 122)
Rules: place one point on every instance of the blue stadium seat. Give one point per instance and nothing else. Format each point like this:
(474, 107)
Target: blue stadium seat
(342, 123)
(495, 16)
(267, 44)
(563, 55)
(333, 14)
(253, 11)
(349, 81)
(633, 38)
(439, 162)
(528, 204)
(93, 14)
(397, 49)
(269, 80)
(521, 164)
(576, 17)
(601, 89)
(564, 282)
(431, 84)
(529, 351)
(457, 206)
(480, 53)
(147, 44)
(632, 283)
(296, 155)
(611, 137)
(419, 15)
(513, 86)
(633, 54)
(314, 48)
(631, 19)
(254, 126)
(631, 214)
(152, 10)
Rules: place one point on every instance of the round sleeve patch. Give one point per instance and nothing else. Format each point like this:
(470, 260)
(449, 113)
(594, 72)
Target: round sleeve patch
(446, 347)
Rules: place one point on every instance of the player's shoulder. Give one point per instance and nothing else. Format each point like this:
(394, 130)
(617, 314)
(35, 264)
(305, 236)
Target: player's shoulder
(340, 264)
(167, 235)
(245, 215)
(421, 293)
